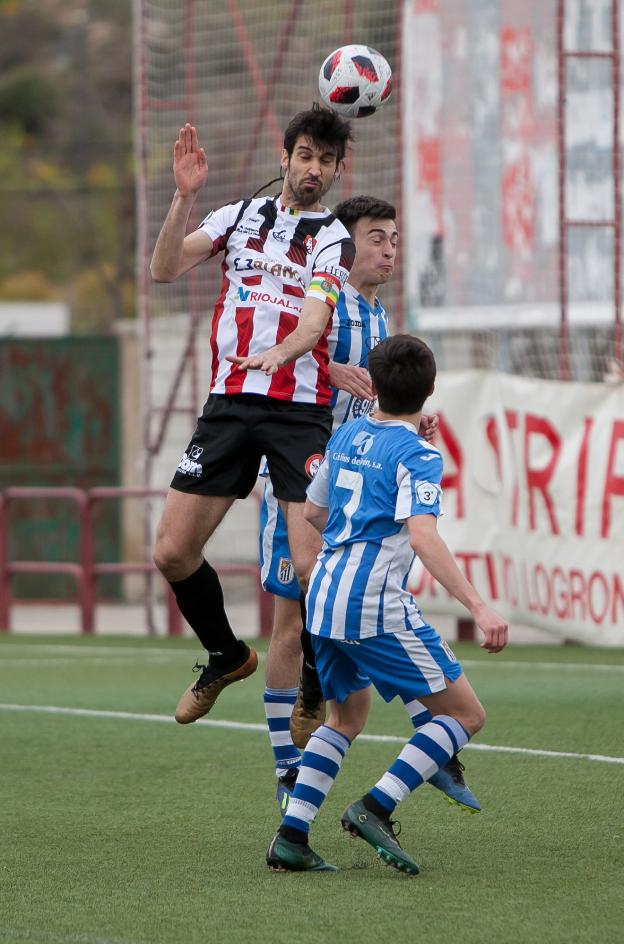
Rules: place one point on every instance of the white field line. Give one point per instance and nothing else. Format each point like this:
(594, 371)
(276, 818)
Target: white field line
(243, 726)
(11, 935)
(150, 651)
(105, 660)
(81, 650)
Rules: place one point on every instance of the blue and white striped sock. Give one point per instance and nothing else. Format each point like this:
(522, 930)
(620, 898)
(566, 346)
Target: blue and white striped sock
(278, 706)
(319, 767)
(429, 749)
(419, 715)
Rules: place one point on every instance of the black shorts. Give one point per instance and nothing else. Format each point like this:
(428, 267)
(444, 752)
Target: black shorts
(234, 432)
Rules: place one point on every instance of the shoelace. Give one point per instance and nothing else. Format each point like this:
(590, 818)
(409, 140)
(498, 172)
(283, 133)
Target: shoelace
(203, 679)
(456, 770)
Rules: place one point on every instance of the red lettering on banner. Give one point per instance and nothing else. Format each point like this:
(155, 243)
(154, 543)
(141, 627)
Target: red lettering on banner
(560, 595)
(542, 589)
(577, 594)
(618, 597)
(510, 581)
(553, 593)
(491, 575)
(491, 433)
(598, 579)
(511, 418)
(453, 479)
(538, 479)
(581, 479)
(466, 559)
(614, 484)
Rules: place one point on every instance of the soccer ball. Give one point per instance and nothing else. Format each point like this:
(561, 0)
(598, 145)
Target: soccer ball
(355, 81)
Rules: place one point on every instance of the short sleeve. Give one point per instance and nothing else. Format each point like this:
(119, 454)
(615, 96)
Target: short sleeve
(330, 271)
(419, 490)
(219, 224)
(318, 489)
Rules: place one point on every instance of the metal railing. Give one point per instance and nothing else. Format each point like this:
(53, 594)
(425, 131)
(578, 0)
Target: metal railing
(86, 570)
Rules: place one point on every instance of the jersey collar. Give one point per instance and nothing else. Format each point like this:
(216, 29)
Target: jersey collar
(289, 212)
(384, 423)
(353, 293)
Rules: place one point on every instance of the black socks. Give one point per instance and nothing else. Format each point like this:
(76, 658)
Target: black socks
(373, 806)
(310, 685)
(293, 835)
(200, 599)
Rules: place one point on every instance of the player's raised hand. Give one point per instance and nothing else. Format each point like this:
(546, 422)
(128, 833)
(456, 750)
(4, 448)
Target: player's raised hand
(268, 361)
(429, 425)
(493, 627)
(190, 166)
(355, 380)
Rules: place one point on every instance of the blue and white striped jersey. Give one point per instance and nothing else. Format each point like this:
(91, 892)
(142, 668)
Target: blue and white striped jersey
(356, 329)
(375, 475)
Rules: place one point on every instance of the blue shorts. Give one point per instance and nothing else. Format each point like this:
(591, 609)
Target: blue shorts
(410, 664)
(277, 573)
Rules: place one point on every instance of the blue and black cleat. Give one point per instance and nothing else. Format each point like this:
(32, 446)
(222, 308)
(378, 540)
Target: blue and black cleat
(450, 780)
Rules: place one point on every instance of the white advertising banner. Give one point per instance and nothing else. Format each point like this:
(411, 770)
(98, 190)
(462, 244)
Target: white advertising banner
(533, 503)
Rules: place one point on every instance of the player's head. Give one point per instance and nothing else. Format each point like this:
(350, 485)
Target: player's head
(403, 371)
(372, 225)
(315, 142)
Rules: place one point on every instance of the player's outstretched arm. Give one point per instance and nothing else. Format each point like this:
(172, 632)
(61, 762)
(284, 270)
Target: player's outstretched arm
(313, 321)
(175, 252)
(437, 558)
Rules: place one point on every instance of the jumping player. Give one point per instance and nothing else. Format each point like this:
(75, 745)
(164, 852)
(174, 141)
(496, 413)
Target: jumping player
(376, 498)
(285, 262)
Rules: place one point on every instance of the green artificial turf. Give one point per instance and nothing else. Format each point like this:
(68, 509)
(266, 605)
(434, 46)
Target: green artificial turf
(116, 830)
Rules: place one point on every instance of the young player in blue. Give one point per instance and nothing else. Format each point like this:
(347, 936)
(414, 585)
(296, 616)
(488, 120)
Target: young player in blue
(359, 324)
(376, 499)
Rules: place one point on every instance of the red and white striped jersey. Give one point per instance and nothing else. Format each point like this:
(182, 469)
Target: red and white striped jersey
(274, 258)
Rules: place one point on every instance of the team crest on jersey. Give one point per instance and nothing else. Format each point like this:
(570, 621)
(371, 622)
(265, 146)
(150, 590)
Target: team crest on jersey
(312, 465)
(363, 441)
(285, 571)
(309, 243)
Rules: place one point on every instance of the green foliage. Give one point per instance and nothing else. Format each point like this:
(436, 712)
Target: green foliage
(27, 100)
(66, 181)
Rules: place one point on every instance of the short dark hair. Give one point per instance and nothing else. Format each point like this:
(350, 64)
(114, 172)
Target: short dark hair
(356, 208)
(403, 370)
(322, 126)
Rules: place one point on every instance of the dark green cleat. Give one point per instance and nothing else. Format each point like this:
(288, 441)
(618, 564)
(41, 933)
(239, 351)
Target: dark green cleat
(378, 833)
(285, 856)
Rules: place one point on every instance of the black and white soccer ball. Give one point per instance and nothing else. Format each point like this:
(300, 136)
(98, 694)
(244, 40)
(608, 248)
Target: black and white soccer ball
(355, 81)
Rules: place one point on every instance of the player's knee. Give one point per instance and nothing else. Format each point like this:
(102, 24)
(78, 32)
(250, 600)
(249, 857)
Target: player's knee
(170, 560)
(350, 727)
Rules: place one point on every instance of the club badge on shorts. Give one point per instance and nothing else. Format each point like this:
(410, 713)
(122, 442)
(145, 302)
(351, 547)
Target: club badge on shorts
(285, 571)
(312, 464)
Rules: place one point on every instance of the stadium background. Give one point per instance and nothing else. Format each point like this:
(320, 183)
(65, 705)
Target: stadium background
(502, 153)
